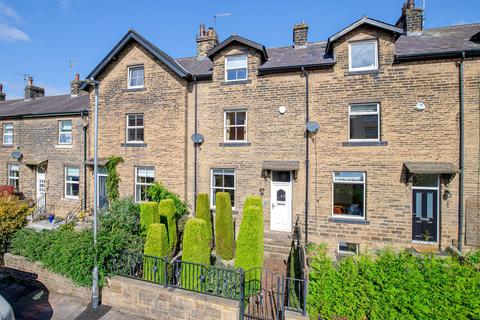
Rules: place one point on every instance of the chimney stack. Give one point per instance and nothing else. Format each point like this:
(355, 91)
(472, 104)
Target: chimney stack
(33, 92)
(206, 40)
(411, 20)
(75, 86)
(300, 34)
(2, 95)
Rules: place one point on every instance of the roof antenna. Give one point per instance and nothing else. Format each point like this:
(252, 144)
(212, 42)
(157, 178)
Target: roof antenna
(219, 15)
(424, 14)
(72, 62)
(24, 75)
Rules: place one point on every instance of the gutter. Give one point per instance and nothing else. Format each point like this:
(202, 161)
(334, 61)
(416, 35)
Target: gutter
(84, 202)
(262, 71)
(44, 115)
(462, 153)
(438, 55)
(307, 155)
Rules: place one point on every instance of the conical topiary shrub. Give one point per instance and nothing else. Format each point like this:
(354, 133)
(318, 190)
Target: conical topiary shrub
(148, 215)
(155, 249)
(166, 210)
(224, 226)
(255, 201)
(203, 212)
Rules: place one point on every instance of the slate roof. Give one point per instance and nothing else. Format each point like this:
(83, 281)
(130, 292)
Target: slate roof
(45, 106)
(440, 41)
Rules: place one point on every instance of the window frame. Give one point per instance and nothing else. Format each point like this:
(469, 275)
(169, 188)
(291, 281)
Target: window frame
(227, 69)
(66, 182)
(364, 183)
(4, 135)
(136, 183)
(129, 76)
(10, 177)
(127, 127)
(347, 252)
(365, 113)
(60, 132)
(212, 193)
(360, 69)
(225, 127)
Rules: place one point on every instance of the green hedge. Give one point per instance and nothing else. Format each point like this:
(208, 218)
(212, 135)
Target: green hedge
(156, 245)
(392, 286)
(166, 210)
(148, 214)
(253, 201)
(224, 226)
(196, 249)
(158, 192)
(203, 211)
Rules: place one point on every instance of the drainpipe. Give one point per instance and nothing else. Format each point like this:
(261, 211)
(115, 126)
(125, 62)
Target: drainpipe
(462, 154)
(195, 151)
(307, 158)
(84, 202)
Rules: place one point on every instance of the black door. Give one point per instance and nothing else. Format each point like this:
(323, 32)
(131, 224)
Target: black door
(102, 191)
(425, 215)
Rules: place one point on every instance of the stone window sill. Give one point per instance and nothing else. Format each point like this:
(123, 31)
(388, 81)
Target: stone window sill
(364, 143)
(7, 146)
(133, 145)
(66, 146)
(135, 89)
(235, 144)
(228, 83)
(348, 221)
(356, 73)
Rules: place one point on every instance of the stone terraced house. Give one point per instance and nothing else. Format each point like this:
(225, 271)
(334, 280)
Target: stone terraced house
(43, 147)
(368, 139)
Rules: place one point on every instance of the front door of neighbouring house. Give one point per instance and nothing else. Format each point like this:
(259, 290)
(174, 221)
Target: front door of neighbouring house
(41, 188)
(102, 188)
(425, 208)
(281, 201)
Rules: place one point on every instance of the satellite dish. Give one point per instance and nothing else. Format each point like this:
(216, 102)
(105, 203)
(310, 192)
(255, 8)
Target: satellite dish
(17, 155)
(197, 139)
(312, 127)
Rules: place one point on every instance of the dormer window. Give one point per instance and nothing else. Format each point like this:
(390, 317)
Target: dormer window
(363, 55)
(236, 68)
(136, 77)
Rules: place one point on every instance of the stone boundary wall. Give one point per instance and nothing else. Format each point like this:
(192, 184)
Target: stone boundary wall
(20, 268)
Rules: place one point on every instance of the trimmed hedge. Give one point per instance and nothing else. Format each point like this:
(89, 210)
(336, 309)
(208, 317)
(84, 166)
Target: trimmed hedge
(166, 210)
(254, 201)
(224, 226)
(155, 246)
(392, 286)
(196, 249)
(148, 214)
(203, 212)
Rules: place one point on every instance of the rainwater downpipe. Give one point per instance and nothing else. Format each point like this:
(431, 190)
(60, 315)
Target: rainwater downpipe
(84, 202)
(307, 158)
(195, 145)
(462, 153)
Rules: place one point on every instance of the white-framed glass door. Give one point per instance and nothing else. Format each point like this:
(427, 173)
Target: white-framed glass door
(41, 187)
(281, 201)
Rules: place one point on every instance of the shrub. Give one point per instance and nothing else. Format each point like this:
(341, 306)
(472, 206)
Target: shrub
(155, 246)
(224, 226)
(7, 190)
(196, 250)
(112, 177)
(392, 286)
(166, 209)
(148, 214)
(254, 201)
(13, 214)
(203, 212)
(158, 192)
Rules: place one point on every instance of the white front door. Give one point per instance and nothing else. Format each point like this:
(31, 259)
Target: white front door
(41, 187)
(281, 201)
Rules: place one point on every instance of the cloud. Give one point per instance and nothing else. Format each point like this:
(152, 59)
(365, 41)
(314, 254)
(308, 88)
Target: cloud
(9, 12)
(65, 4)
(11, 34)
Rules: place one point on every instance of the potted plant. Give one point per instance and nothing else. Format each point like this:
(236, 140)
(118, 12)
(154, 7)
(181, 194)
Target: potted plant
(51, 218)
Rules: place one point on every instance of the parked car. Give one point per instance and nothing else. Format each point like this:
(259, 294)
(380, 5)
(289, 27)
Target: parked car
(6, 311)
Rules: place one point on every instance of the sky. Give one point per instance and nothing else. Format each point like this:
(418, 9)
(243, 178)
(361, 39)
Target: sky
(42, 37)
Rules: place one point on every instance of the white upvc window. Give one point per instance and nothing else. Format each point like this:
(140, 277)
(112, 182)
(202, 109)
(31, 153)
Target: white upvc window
(222, 180)
(136, 77)
(348, 195)
(65, 132)
(8, 134)
(144, 178)
(135, 128)
(364, 122)
(14, 175)
(235, 126)
(236, 68)
(348, 248)
(363, 55)
(72, 182)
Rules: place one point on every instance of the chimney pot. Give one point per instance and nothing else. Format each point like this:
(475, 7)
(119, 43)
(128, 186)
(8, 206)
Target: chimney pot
(33, 92)
(300, 34)
(206, 40)
(411, 20)
(75, 86)
(2, 95)
(30, 81)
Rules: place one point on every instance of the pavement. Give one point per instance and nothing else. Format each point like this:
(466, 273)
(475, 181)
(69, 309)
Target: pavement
(33, 301)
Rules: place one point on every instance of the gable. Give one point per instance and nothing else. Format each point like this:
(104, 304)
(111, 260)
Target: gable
(234, 39)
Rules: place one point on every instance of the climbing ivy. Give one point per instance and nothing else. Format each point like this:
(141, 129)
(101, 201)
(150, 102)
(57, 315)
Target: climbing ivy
(112, 178)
